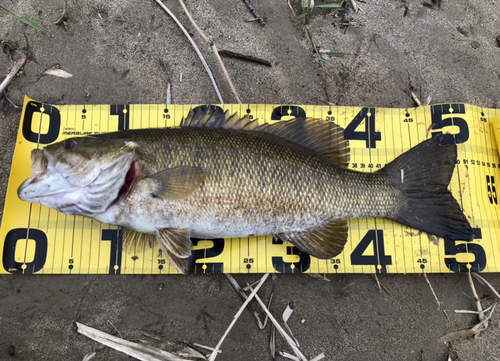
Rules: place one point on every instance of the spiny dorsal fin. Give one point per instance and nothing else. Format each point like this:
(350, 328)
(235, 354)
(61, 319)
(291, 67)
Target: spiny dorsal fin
(178, 183)
(324, 242)
(319, 135)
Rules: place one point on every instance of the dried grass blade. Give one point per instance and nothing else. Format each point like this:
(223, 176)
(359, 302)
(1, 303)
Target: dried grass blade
(89, 356)
(205, 347)
(286, 315)
(319, 357)
(280, 329)
(486, 283)
(251, 306)
(140, 352)
(169, 95)
(268, 307)
(252, 295)
(457, 335)
(289, 356)
(272, 343)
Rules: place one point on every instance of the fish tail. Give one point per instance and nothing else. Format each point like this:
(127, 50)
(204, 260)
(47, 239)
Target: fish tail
(423, 174)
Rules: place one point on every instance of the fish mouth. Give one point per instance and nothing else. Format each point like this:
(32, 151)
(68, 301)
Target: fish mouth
(128, 182)
(43, 181)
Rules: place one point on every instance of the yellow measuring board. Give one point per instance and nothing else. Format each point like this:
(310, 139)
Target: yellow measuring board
(36, 239)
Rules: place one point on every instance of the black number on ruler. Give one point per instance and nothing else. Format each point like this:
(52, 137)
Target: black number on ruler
(286, 267)
(451, 248)
(115, 257)
(123, 112)
(288, 110)
(492, 190)
(370, 135)
(439, 121)
(379, 259)
(205, 254)
(34, 109)
(9, 250)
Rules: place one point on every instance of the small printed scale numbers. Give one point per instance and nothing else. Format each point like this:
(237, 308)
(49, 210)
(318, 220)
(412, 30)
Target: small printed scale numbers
(37, 240)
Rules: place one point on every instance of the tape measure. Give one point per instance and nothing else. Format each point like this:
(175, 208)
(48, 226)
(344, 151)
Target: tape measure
(36, 239)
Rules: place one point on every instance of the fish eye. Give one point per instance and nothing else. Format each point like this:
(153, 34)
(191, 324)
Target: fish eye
(70, 143)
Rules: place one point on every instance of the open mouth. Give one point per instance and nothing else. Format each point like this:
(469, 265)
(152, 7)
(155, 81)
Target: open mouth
(129, 180)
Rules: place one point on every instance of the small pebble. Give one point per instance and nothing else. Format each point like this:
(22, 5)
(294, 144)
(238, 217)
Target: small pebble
(475, 44)
(160, 286)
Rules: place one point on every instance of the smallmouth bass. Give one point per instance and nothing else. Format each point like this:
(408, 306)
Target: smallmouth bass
(219, 176)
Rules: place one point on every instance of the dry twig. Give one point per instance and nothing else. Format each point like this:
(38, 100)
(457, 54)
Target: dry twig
(432, 290)
(214, 49)
(169, 95)
(415, 99)
(374, 275)
(380, 287)
(250, 297)
(280, 329)
(478, 302)
(249, 58)
(251, 306)
(486, 283)
(195, 48)
(221, 63)
(17, 67)
(65, 7)
(193, 22)
(291, 8)
(254, 12)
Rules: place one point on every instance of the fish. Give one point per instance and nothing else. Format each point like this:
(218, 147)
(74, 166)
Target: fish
(218, 175)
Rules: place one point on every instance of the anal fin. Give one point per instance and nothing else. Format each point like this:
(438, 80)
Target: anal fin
(324, 242)
(176, 246)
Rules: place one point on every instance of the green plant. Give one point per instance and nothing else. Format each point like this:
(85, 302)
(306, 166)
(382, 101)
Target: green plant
(309, 7)
(25, 20)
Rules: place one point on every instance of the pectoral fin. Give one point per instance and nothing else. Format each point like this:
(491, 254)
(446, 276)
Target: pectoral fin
(324, 242)
(176, 246)
(178, 183)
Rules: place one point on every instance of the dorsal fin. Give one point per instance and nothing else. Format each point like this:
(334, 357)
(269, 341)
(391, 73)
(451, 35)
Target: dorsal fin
(319, 135)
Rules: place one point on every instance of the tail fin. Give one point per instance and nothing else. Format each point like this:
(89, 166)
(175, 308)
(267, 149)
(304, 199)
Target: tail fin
(423, 174)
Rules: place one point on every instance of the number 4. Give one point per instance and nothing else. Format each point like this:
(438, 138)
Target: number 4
(370, 135)
(379, 259)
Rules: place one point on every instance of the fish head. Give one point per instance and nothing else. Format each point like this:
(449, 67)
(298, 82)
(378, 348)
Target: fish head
(81, 176)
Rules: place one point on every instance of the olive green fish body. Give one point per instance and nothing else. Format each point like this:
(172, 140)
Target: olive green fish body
(223, 176)
(256, 186)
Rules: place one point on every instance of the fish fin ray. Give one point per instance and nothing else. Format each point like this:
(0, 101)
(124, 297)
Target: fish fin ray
(176, 246)
(321, 136)
(207, 116)
(324, 137)
(423, 174)
(137, 240)
(324, 242)
(178, 183)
